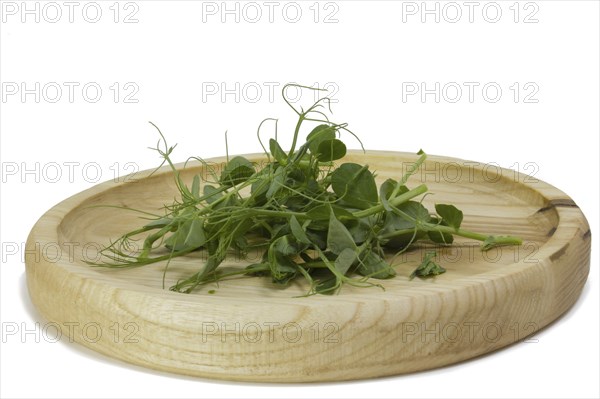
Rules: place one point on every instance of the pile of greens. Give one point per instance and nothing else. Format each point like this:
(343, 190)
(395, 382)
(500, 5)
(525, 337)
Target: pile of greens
(329, 224)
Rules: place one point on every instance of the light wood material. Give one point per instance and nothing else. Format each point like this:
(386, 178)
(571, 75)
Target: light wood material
(249, 330)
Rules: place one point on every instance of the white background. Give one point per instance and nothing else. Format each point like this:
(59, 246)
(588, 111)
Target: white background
(175, 52)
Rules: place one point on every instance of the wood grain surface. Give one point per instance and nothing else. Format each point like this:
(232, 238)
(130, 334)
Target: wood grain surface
(252, 331)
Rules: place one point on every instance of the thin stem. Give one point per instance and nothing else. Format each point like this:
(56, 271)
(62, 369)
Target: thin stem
(415, 192)
(396, 233)
(296, 132)
(313, 265)
(497, 240)
(283, 214)
(408, 173)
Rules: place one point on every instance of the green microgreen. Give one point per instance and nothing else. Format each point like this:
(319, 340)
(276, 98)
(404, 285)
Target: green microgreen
(314, 220)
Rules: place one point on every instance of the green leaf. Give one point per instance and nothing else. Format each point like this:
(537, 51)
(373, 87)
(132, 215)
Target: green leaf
(345, 260)
(282, 267)
(372, 265)
(450, 214)
(402, 240)
(338, 236)
(277, 152)
(323, 212)
(319, 134)
(317, 237)
(189, 235)
(327, 286)
(236, 171)
(319, 130)
(288, 246)
(196, 186)
(195, 237)
(283, 270)
(437, 236)
(279, 230)
(334, 279)
(385, 191)
(259, 190)
(414, 210)
(211, 193)
(331, 150)
(361, 229)
(405, 216)
(355, 184)
(298, 232)
(229, 201)
(428, 267)
(277, 182)
(440, 238)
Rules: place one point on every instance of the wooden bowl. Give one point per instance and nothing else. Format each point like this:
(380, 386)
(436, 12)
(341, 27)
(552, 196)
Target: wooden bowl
(249, 330)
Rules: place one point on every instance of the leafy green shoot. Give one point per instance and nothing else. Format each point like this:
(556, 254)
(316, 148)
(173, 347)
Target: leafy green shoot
(312, 216)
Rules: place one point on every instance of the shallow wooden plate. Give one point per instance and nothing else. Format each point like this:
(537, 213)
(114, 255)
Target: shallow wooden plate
(249, 330)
